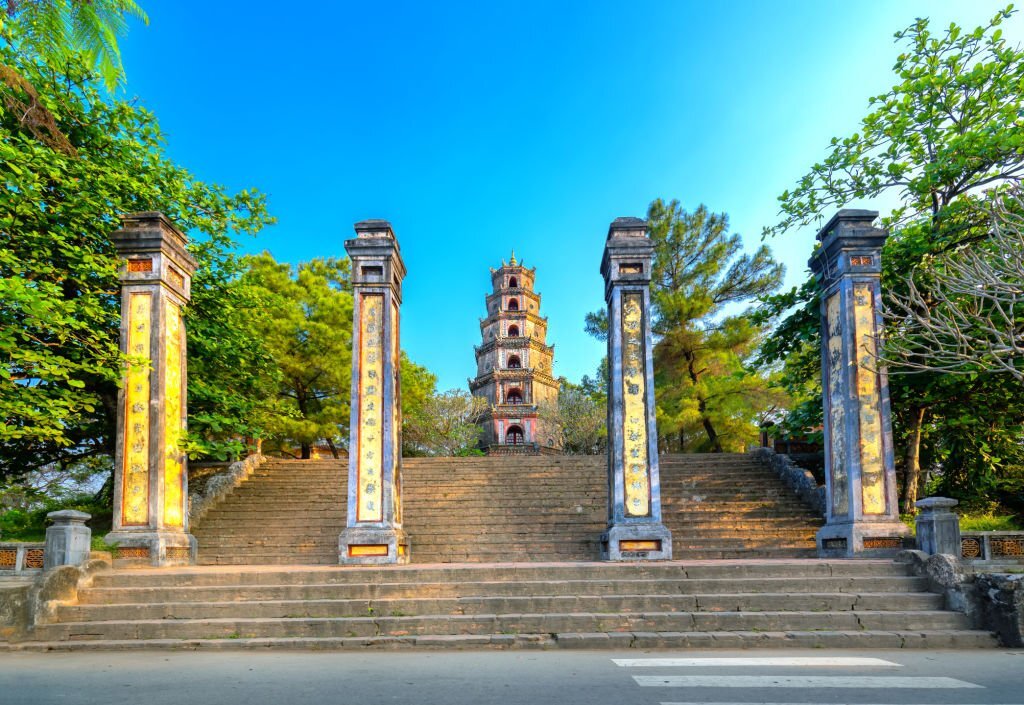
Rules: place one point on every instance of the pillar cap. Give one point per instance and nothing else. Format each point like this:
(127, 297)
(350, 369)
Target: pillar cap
(929, 503)
(849, 218)
(627, 226)
(374, 227)
(68, 516)
(151, 232)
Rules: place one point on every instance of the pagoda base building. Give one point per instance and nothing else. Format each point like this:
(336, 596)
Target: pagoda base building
(514, 368)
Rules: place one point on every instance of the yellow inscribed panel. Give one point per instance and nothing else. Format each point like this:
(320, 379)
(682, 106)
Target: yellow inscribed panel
(636, 476)
(174, 470)
(869, 403)
(135, 470)
(371, 408)
(836, 409)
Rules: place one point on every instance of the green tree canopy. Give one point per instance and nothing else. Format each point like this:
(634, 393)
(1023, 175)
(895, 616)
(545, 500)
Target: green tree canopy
(709, 395)
(57, 30)
(306, 326)
(944, 139)
(59, 360)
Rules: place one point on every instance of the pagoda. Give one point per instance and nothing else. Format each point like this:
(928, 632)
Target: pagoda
(513, 366)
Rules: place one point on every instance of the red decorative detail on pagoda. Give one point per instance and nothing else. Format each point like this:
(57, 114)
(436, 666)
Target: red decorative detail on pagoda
(514, 366)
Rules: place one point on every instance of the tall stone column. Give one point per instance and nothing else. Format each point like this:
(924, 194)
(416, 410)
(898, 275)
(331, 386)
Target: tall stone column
(150, 475)
(635, 531)
(373, 534)
(862, 510)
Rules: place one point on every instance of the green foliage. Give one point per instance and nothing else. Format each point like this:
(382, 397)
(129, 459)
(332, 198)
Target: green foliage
(59, 310)
(579, 416)
(445, 424)
(305, 323)
(58, 29)
(990, 522)
(28, 523)
(709, 395)
(419, 385)
(945, 139)
(951, 125)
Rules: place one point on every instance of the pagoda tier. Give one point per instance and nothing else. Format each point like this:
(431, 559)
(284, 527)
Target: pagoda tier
(514, 366)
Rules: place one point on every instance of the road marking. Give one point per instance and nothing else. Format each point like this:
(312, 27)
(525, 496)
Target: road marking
(754, 661)
(801, 682)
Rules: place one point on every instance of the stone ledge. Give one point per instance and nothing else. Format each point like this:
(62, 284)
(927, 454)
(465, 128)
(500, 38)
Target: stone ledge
(799, 480)
(220, 486)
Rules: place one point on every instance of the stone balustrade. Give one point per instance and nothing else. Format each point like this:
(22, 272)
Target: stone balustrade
(17, 558)
(991, 545)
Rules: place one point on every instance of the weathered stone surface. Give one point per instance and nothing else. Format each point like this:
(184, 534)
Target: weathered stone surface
(1002, 606)
(799, 480)
(635, 528)
(862, 512)
(937, 527)
(68, 540)
(220, 486)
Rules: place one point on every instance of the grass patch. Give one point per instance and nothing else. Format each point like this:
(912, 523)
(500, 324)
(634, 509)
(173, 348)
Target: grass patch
(990, 522)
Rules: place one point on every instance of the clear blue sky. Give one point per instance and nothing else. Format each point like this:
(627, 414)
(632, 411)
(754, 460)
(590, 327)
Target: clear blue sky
(478, 127)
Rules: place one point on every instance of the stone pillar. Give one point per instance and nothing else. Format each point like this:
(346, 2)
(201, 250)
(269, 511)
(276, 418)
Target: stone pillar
(862, 510)
(938, 528)
(68, 540)
(150, 475)
(373, 533)
(635, 531)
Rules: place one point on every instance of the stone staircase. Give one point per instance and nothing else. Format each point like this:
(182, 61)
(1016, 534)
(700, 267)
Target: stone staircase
(727, 604)
(500, 509)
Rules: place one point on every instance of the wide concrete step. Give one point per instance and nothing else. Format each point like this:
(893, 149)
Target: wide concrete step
(816, 639)
(499, 623)
(309, 605)
(683, 573)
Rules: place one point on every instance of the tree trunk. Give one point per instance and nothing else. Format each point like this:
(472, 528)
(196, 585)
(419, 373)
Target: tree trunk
(307, 451)
(716, 443)
(912, 459)
(334, 449)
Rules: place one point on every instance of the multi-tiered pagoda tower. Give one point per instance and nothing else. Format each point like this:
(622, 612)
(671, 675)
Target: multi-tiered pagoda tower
(513, 366)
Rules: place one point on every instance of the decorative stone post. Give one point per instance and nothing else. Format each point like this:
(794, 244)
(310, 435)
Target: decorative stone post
(635, 531)
(373, 534)
(68, 540)
(862, 511)
(938, 527)
(150, 477)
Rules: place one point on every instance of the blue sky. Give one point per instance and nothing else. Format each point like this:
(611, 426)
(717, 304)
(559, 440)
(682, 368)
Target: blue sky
(476, 128)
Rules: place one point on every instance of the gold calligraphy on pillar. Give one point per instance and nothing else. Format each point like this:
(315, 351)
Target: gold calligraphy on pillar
(174, 510)
(135, 469)
(836, 408)
(871, 463)
(369, 506)
(636, 478)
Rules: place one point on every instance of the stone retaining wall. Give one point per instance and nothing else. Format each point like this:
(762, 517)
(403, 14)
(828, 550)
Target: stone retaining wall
(219, 486)
(796, 478)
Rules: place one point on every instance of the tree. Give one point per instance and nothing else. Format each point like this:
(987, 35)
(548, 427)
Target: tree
(58, 29)
(709, 396)
(699, 277)
(446, 425)
(580, 417)
(971, 317)
(59, 310)
(949, 129)
(952, 125)
(306, 326)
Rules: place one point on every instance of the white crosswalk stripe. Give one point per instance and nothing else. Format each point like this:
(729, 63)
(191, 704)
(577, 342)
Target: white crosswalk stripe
(780, 681)
(829, 661)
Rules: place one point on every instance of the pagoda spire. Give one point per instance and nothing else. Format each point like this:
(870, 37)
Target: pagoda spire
(512, 262)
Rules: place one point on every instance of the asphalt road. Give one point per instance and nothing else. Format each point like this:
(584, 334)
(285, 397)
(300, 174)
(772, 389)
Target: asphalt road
(514, 677)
